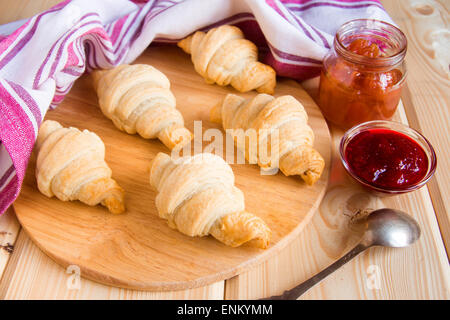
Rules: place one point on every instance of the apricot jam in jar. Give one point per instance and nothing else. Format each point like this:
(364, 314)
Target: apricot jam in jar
(363, 74)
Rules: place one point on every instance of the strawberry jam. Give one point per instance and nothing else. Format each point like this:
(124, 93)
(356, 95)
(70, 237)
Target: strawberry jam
(386, 159)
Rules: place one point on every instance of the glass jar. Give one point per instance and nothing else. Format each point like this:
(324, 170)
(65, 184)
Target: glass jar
(362, 76)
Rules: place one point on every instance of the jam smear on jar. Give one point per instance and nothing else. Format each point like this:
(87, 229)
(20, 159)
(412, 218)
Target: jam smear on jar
(386, 159)
(352, 93)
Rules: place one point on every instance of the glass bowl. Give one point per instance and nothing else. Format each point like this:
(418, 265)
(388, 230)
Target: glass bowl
(394, 126)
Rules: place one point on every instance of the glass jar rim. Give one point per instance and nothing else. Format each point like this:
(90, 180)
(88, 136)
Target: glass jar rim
(371, 25)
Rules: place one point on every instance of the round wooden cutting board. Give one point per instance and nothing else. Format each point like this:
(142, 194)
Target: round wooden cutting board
(138, 249)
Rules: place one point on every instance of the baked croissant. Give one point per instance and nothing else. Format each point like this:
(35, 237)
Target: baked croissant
(223, 56)
(197, 196)
(137, 98)
(263, 114)
(71, 166)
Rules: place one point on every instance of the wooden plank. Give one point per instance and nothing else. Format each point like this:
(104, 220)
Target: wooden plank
(426, 97)
(17, 10)
(33, 275)
(417, 272)
(9, 229)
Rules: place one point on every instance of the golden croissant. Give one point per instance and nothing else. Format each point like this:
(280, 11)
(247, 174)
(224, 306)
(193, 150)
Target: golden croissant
(137, 98)
(71, 166)
(223, 56)
(197, 196)
(294, 153)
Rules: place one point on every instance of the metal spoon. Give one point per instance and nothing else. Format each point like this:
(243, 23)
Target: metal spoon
(385, 227)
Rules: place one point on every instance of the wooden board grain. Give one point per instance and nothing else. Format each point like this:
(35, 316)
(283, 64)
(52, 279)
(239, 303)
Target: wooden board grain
(32, 275)
(138, 250)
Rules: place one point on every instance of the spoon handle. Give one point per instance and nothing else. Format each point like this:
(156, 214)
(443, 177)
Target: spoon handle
(297, 291)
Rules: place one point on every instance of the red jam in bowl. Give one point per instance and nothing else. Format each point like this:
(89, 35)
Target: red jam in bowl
(386, 159)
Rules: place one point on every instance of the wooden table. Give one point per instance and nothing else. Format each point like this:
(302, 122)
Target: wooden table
(418, 272)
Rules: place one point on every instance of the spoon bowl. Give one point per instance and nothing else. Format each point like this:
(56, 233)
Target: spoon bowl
(391, 228)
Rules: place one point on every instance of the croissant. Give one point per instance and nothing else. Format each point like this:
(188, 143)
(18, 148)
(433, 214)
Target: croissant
(137, 98)
(223, 56)
(197, 196)
(71, 166)
(263, 114)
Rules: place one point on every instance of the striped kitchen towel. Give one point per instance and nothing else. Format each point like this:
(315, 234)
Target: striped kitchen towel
(41, 57)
